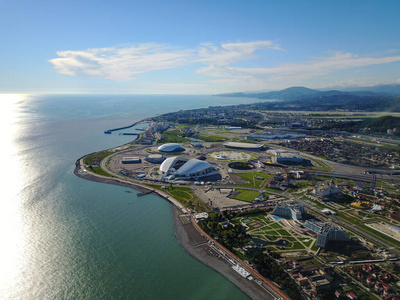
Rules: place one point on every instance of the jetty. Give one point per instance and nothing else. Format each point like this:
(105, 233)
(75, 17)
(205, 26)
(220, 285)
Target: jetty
(120, 128)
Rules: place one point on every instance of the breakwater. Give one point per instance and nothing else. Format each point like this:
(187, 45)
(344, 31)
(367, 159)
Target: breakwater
(120, 128)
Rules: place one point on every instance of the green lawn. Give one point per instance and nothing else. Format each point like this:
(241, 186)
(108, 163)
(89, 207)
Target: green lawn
(100, 171)
(308, 243)
(210, 138)
(172, 137)
(297, 246)
(96, 157)
(275, 226)
(314, 247)
(283, 232)
(273, 238)
(185, 196)
(246, 195)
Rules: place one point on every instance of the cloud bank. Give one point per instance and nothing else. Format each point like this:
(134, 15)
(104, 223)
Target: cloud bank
(121, 63)
(216, 62)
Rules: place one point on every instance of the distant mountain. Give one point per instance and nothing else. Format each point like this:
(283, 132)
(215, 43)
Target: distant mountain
(384, 89)
(291, 93)
(302, 93)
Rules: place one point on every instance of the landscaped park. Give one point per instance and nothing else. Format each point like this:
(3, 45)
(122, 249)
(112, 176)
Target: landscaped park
(276, 234)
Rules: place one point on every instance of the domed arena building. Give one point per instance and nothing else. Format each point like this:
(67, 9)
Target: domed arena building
(171, 147)
(181, 168)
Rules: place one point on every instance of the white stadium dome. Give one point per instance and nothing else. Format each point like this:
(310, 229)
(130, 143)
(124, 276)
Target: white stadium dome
(171, 147)
(181, 168)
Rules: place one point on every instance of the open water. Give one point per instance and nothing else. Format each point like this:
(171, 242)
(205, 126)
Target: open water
(63, 237)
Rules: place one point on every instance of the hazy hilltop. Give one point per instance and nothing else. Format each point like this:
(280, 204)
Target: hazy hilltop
(384, 89)
(375, 98)
(301, 92)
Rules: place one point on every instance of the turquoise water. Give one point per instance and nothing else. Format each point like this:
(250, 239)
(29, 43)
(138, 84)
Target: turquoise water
(66, 238)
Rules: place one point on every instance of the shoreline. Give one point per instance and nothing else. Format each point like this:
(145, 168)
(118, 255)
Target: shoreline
(189, 238)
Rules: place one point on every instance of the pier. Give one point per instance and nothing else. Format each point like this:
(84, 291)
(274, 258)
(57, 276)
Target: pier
(125, 127)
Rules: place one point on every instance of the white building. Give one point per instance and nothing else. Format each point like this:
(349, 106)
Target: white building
(326, 232)
(155, 158)
(171, 147)
(327, 189)
(286, 157)
(295, 212)
(181, 168)
(244, 146)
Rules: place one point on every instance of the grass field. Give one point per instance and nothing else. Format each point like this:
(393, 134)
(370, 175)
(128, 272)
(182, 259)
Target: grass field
(96, 157)
(247, 196)
(252, 180)
(185, 196)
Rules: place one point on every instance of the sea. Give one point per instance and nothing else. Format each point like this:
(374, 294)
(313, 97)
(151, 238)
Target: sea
(63, 237)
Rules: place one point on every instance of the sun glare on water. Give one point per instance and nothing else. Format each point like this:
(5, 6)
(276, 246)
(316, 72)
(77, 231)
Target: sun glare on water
(11, 220)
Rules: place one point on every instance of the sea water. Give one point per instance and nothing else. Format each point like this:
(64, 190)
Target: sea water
(63, 237)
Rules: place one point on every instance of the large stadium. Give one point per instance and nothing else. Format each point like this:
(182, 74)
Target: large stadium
(181, 168)
(171, 147)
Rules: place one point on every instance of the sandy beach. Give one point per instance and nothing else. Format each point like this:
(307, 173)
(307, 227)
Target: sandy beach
(192, 241)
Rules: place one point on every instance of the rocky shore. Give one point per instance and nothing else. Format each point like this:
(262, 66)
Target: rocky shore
(191, 240)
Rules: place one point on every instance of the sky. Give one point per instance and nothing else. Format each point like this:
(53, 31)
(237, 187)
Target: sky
(196, 47)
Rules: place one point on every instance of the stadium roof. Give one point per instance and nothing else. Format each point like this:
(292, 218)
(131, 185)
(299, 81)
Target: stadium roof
(171, 147)
(244, 145)
(193, 166)
(181, 167)
(168, 163)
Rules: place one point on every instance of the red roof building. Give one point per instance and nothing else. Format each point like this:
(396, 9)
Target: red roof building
(352, 296)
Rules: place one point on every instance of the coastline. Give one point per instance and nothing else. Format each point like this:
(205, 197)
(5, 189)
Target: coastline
(189, 238)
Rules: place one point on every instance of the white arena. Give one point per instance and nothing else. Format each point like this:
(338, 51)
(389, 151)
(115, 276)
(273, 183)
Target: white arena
(181, 168)
(171, 147)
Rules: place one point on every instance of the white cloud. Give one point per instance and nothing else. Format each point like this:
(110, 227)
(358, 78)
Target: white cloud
(296, 73)
(123, 63)
(230, 53)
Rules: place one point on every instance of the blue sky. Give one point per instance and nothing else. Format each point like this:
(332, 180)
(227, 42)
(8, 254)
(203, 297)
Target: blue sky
(196, 47)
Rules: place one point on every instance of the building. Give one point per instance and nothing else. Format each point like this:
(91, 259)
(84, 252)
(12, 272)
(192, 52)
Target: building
(131, 160)
(244, 146)
(196, 144)
(394, 229)
(326, 232)
(271, 136)
(273, 184)
(295, 212)
(155, 158)
(171, 147)
(327, 190)
(352, 296)
(320, 285)
(181, 168)
(286, 157)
